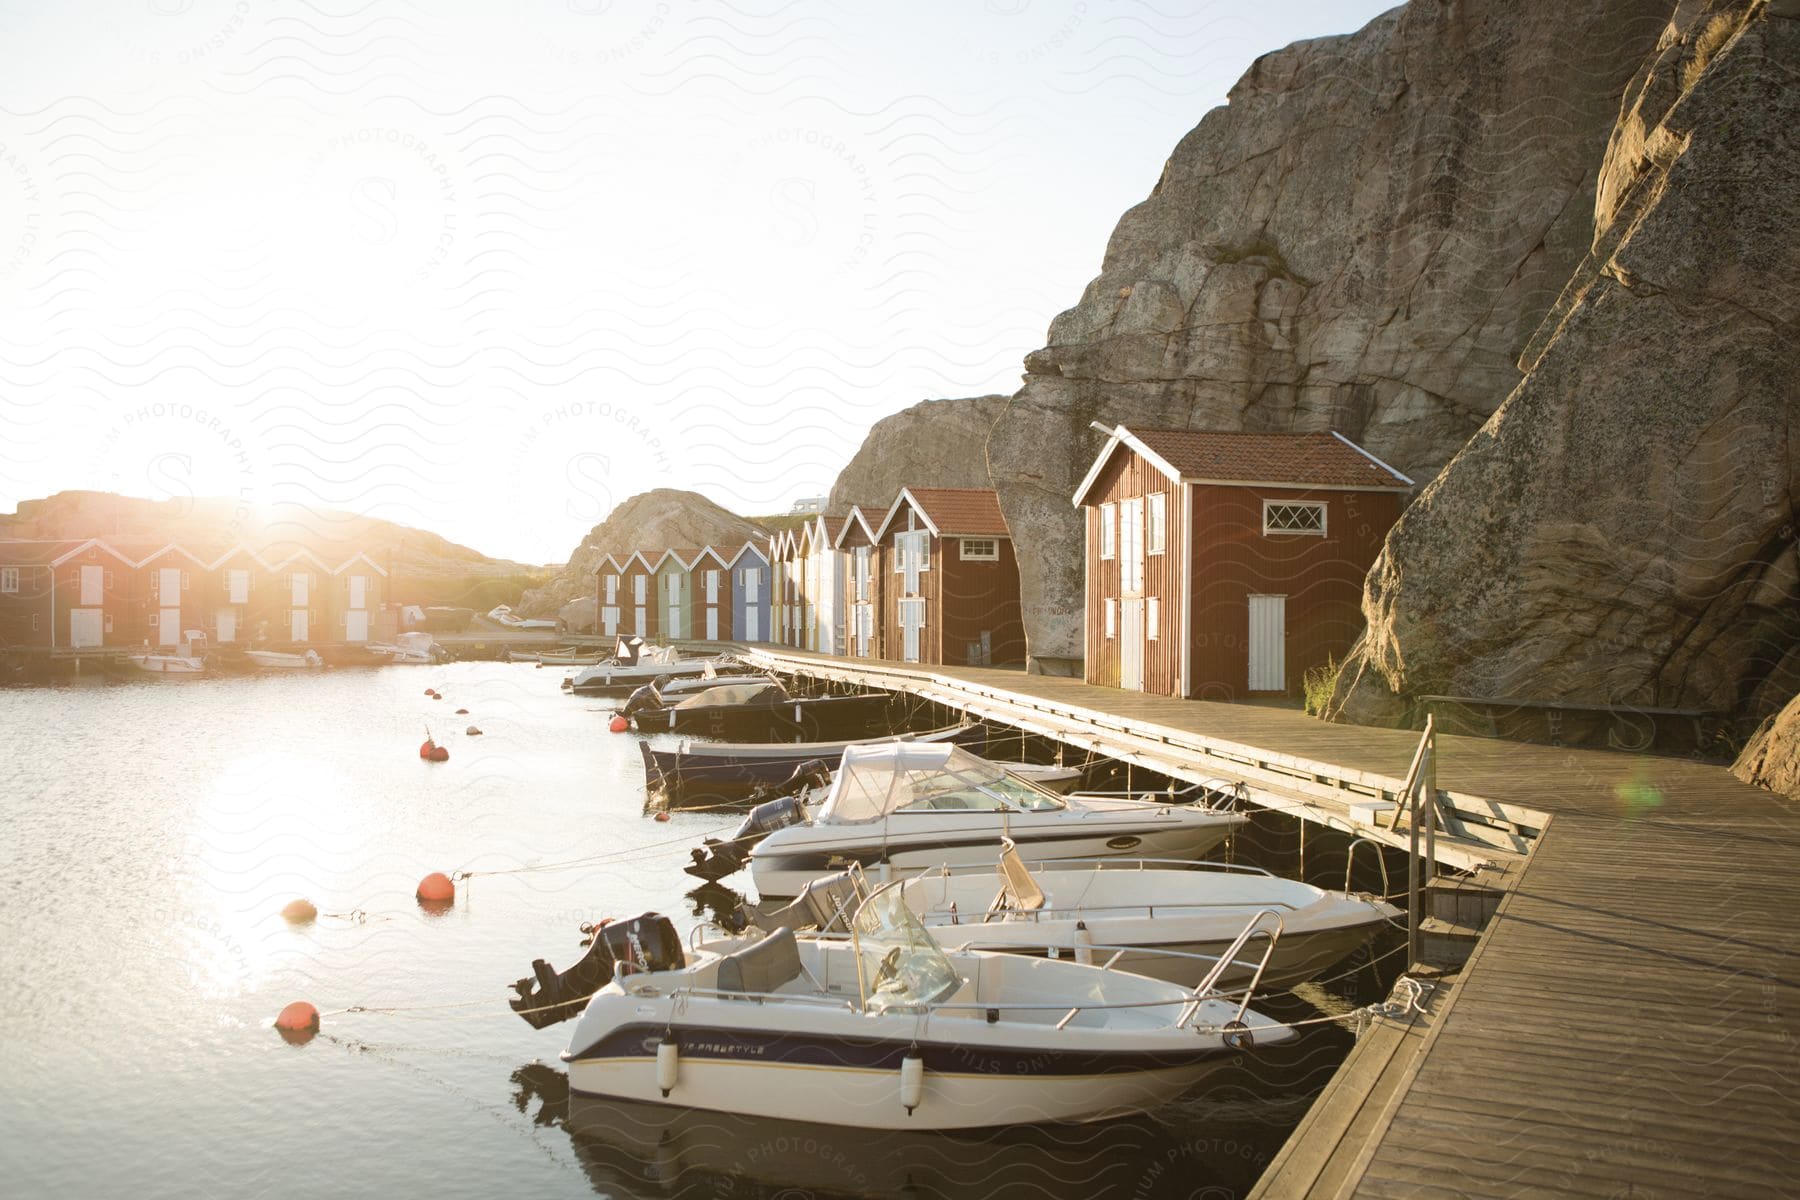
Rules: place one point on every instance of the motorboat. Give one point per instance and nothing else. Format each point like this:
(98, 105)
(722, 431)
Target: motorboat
(666, 691)
(189, 657)
(414, 648)
(284, 661)
(1165, 920)
(634, 664)
(914, 806)
(698, 774)
(765, 709)
(885, 1029)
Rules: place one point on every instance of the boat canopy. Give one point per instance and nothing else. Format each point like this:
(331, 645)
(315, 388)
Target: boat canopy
(874, 781)
(765, 692)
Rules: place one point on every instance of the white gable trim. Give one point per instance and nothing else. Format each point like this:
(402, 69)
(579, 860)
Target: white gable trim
(1122, 437)
(359, 555)
(1397, 475)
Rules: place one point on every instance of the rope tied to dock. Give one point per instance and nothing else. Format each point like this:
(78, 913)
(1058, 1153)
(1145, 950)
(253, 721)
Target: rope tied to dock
(590, 860)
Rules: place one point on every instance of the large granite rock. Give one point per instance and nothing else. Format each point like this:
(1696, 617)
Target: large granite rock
(1622, 531)
(1771, 759)
(1362, 240)
(654, 520)
(937, 443)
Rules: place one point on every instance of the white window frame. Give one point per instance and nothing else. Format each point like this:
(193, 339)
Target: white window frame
(1318, 506)
(900, 542)
(1110, 606)
(1109, 531)
(922, 546)
(1152, 618)
(967, 555)
(1156, 522)
(9, 579)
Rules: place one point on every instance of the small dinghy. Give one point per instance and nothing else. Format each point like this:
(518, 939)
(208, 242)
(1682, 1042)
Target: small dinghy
(279, 660)
(921, 806)
(1165, 921)
(884, 1029)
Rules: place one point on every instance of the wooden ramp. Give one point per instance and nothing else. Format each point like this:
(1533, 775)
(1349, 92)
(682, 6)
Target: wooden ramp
(1629, 1023)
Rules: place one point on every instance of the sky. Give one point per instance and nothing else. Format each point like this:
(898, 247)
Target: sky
(492, 269)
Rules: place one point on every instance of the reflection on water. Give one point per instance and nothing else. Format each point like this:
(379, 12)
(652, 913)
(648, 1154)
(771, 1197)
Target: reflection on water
(152, 831)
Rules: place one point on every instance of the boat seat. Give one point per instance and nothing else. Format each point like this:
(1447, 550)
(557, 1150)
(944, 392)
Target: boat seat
(829, 902)
(1019, 890)
(762, 968)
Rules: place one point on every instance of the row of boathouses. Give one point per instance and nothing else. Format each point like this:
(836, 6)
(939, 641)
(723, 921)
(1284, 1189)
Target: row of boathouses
(1218, 565)
(87, 593)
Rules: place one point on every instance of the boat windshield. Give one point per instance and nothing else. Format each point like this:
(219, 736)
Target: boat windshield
(898, 963)
(876, 780)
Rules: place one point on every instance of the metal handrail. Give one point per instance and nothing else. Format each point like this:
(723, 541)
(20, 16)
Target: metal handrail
(1109, 864)
(1034, 915)
(1252, 928)
(1380, 861)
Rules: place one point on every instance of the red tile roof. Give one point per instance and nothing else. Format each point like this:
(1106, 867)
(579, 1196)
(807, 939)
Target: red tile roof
(962, 512)
(1318, 459)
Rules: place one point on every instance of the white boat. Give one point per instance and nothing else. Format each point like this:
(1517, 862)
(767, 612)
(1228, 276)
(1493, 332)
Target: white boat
(1167, 921)
(884, 1029)
(280, 660)
(625, 673)
(915, 805)
(412, 649)
(189, 658)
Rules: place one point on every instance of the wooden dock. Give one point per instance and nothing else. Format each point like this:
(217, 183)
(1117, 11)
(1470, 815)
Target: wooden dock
(1628, 1023)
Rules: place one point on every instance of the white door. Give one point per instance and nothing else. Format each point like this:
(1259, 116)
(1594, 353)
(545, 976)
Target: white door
(751, 632)
(356, 625)
(1131, 643)
(86, 624)
(357, 592)
(297, 626)
(712, 624)
(643, 626)
(912, 620)
(609, 621)
(227, 624)
(1268, 643)
(239, 582)
(169, 624)
(93, 587)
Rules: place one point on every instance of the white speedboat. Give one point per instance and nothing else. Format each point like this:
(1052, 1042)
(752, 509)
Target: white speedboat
(412, 649)
(1167, 921)
(912, 805)
(282, 661)
(884, 1029)
(189, 657)
(621, 675)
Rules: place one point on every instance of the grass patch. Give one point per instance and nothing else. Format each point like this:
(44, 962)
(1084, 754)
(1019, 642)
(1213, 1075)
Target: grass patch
(1317, 685)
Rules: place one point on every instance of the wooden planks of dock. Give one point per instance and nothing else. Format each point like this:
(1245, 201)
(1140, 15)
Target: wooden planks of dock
(1629, 1023)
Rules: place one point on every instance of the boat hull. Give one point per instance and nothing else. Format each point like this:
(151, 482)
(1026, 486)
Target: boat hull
(817, 718)
(713, 776)
(782, 865)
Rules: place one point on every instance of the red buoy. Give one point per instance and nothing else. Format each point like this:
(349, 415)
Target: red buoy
(662, 816)
(436, 888)
(439, 754)
(618, 725)
(298, 1021)
(426, 747)
(300, 911)
(430, 692)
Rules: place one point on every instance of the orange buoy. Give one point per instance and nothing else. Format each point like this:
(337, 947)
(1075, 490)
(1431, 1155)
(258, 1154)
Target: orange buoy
(426, 747)
(439, 754)
(298, 1017)
(430, 692)
(618, 725)
(662, 816)
(300, 911)
(436, 888)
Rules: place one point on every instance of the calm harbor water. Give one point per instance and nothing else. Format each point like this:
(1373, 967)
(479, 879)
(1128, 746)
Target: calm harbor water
(151, 831)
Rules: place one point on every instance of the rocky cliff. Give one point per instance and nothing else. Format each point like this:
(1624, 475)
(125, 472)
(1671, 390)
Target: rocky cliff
(1623, 529)
(938, 443)
(655, 520)
(1362, 240)
(1772, 757)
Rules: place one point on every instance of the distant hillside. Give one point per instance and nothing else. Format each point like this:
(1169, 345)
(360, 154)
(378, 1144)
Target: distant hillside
(427, 568)
(658, 520)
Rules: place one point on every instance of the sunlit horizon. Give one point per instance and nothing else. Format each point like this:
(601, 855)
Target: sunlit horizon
(490, 281)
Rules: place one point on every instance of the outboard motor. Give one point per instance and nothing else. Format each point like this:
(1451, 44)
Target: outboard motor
(716, 859)
(617, 948)
(641, 699)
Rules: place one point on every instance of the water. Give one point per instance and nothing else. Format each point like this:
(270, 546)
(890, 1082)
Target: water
(150, 833)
